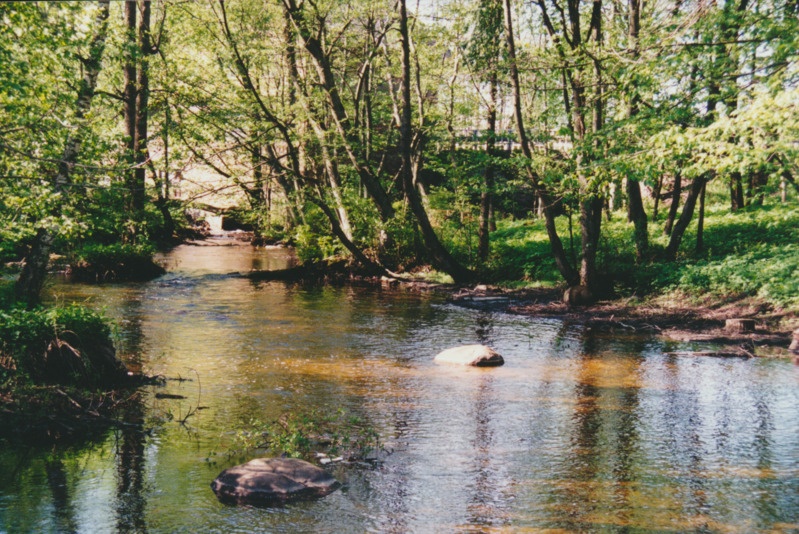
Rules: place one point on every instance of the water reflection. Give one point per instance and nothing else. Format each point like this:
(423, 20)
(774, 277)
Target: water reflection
(131, 500)
(63, 510)
(578, 431)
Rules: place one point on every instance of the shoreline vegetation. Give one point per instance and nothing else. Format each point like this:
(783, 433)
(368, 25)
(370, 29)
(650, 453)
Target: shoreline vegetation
(640, 164)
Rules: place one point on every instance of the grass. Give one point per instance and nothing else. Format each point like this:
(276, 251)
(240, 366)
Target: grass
(306, 434)
(749, 253)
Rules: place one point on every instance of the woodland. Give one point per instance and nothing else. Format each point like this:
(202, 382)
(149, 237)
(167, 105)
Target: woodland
(636, 155)
(622, 147)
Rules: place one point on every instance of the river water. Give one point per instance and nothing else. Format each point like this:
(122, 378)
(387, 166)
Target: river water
(578, 431)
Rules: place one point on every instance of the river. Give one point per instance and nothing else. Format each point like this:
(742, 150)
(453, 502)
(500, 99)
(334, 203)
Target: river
(578, 431)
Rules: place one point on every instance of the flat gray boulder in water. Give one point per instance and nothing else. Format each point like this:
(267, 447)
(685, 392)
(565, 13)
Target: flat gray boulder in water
(270, 480)
(475, 355)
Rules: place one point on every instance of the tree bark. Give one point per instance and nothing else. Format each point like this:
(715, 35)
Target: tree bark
(130, 71)
(142, 110)
(566, 270)
(31, 280)
(635, 204)
(440, 256)
(486, 195)
(675, 203)
(591, 203)
(700, 227)
(685, 218)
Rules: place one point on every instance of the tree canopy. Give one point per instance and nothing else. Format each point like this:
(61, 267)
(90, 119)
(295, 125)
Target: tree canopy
(395, 134)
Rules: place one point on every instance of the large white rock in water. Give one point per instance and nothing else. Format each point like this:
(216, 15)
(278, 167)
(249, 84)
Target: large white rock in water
(269, 480)
(475, 355)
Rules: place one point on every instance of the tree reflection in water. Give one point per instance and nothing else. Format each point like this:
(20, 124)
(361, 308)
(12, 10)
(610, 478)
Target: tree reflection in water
(63, 509)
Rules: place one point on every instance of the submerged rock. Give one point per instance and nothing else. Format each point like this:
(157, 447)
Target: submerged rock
(474, 355)
(269, 480)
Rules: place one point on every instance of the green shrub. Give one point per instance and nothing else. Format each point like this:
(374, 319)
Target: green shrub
(42, 344)
(117, 261)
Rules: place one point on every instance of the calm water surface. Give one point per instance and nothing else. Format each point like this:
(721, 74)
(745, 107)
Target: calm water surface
(578, 431)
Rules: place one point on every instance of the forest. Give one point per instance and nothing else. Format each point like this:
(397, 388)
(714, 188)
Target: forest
(616, 147)
(578, 191)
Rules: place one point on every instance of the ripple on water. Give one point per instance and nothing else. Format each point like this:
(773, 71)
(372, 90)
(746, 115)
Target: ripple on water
(578, 431)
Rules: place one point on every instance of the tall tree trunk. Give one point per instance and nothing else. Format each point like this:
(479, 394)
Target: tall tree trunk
(737, 200)
(130, 71)
(142, 109)
(31, 280)
(565, 268)
(635, 204)
(486, 195)
(675, 203)
(441, 257)
(685, 217)
(162, 180)
(591, 203)
(656, 196)
(700, 226)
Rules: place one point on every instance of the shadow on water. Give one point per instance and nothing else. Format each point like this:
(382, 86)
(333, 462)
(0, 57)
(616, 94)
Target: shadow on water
(131, 496)
(63, 510)
(578, 431)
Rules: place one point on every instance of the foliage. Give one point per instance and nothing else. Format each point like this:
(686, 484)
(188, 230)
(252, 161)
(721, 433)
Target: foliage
(26, 334)
(301, 435)
(240, 93)
(117, 261)
(313, 244)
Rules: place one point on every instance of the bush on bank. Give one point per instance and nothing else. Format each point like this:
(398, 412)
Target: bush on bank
(68, 345)
(94, 262)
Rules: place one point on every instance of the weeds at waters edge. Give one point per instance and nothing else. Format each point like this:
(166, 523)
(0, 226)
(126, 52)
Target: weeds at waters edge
(308, 435)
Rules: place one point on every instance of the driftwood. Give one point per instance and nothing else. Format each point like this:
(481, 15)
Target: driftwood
(741, 353)
(739, 325)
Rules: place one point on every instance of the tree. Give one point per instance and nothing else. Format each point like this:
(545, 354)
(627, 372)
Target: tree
(484, 54)
(31, 279)
(442, 259)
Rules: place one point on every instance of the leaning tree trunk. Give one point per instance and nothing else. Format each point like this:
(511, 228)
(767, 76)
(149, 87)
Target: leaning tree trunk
(441, 257)
(31, 280)
(566, 270)
(685, 217)
(348, 135)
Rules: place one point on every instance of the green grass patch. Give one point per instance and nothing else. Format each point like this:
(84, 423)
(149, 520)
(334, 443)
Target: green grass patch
(751, 252)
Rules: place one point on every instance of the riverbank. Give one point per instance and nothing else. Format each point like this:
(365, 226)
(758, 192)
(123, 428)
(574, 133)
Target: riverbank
(672, 317)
